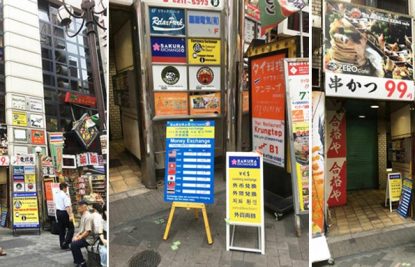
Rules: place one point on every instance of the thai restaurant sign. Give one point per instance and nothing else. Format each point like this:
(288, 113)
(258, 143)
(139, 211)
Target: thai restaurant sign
(268, 107)
(368, 53)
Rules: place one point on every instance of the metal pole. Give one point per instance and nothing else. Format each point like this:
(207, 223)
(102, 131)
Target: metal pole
(88, 7)
(301, 34)
(239, 79)
(39, 182)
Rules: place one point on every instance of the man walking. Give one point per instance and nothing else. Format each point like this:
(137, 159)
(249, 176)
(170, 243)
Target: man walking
(64, 216)
(85, 237)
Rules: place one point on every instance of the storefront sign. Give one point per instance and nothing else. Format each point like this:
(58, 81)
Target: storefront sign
(406, 198)
(23, 160)
(205, 104)
(19, 118)
(205, 4)
(18, 102)
(167, 21)
(203, 24)
(268, 107)
(83, 100)
(51, 189)
(244, 188)
(368, 53)
(167, 104)
(82, 159)
(168, 50)
(35, 104)
(249, 30)
(394, 186)
(204, 78)
(169, 77)
(25, 210)
(85, 131)
(93, 159)
(190, 148)
(253, 12)
(203, 51)
(336, 158)
(298, 99)
(38, 137)
(317, 167)
(30, 182)
(36, 121)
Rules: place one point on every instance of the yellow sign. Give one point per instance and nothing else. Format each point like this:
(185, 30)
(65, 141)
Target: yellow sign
(191, 132)
(25, 211)
(395, 186)
(19, 118)
(203, 51)
(244, 194)
(30, 182)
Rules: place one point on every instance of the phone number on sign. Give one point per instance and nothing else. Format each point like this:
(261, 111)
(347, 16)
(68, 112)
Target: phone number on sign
(189, 2)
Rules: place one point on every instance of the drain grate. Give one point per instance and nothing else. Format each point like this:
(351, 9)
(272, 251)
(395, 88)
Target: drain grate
(147, 258)
(114, 163)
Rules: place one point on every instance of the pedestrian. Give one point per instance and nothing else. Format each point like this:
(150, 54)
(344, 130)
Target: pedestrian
(85, 236)
(64, 216)
(100, 226)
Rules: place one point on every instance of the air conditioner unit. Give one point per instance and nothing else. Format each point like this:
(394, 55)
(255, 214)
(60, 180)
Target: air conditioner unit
(291, 25)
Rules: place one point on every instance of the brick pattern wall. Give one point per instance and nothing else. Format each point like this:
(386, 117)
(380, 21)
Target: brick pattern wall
(114, 111)
(382, 152)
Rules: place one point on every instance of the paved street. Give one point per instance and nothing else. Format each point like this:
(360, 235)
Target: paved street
(32, 250)
(138, 223)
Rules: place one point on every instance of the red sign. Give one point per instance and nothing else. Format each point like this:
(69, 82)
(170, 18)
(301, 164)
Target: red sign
(38, 137)
(84, 100)
(253, 12)
(336, 158)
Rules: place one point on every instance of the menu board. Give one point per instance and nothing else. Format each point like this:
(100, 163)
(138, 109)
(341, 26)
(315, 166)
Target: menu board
(205, 104)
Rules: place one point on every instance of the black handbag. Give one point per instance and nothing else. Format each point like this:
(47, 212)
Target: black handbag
(54, 228)
(94, 259)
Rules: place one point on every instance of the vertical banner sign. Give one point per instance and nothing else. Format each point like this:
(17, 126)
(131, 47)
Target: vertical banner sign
(406, 198)
(268, 107)
(56, 150)
(367, 53)
(317, 165)
(190, 148)
(244, 192)
(298, 100)
(336, 158)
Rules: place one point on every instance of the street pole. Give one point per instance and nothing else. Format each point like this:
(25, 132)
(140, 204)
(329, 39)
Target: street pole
(88, 7)
(39, 185)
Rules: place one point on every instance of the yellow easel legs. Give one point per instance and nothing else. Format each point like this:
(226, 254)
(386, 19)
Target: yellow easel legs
(195, 207)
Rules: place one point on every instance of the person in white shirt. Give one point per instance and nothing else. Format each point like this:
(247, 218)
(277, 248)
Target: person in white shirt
(64, 216)
(100, 226)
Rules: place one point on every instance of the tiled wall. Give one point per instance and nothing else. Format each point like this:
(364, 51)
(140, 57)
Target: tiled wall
(382, 151)
(114, 111)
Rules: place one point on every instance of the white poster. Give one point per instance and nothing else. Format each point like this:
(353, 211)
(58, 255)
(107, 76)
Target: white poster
(169, 77)
(269, 134)
(249, 30)
(18, 102)
(35, 104)
(204, 78)
(203, 24)
(36, 121)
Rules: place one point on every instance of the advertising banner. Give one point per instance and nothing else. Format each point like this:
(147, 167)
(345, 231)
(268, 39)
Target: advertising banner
(204, 78)
(367, 53)
(394, 186)
(317, 167)
(168, 50)
(203, 51)
(169, 77)
(203, 24)
(38, 137)
(167, 21)
(190, 148)
(406, 198)
(19, 118)
(36, 121)
(336, 158)
(298, 99)
(205, 4)
(84, 100)
(167, 104)
(205, 104)
(244, 188)
(268, 107)
(23, 160)
(25, 210)
(30, 182)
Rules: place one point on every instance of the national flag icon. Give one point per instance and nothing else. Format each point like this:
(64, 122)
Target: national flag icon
(172, 165)
(172, 171)
(171, 178)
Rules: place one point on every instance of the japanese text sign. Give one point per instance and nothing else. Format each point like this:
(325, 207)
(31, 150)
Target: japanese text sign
(167, 21)
(244, 188)
(167, 103)
(203, 24)
(190, 147)
(394, 186)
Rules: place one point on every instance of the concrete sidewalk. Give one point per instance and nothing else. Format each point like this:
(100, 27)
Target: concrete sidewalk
(28, 249)
(135, 228)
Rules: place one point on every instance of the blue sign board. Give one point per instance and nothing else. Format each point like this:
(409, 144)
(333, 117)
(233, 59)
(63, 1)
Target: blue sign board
(405, 201)
(167, 21)
(170, 50)
(190, 148)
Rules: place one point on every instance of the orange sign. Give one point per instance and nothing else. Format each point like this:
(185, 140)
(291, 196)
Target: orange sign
(245, 101)
(205, 104)
(297, 115)
(167, 103)
(38, 137)
(48, 191)
(268, 87)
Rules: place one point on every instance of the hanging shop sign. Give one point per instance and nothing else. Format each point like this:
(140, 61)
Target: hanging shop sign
(168, 50)
(35, 104)
(203, 24)
(56, 150)
(249, 31)
(20, 135)
(51, 190)
(406, 198)
(19, 118)
(190, 148)
(368, 53)
(82, 160)
(86, 130)
(23, 160)
(252, 11)
(38, 137)
(205, 4)
(93, 159)
(203, 51)
(167, 103)
(18, 102)
(25, 210)
(83, 100)
(204, 78)
(205, 104)
(167, 21)
(169, 77)
(317, 167)
(336, 158)
(298, 100)
(268, 107)
(36, 121)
